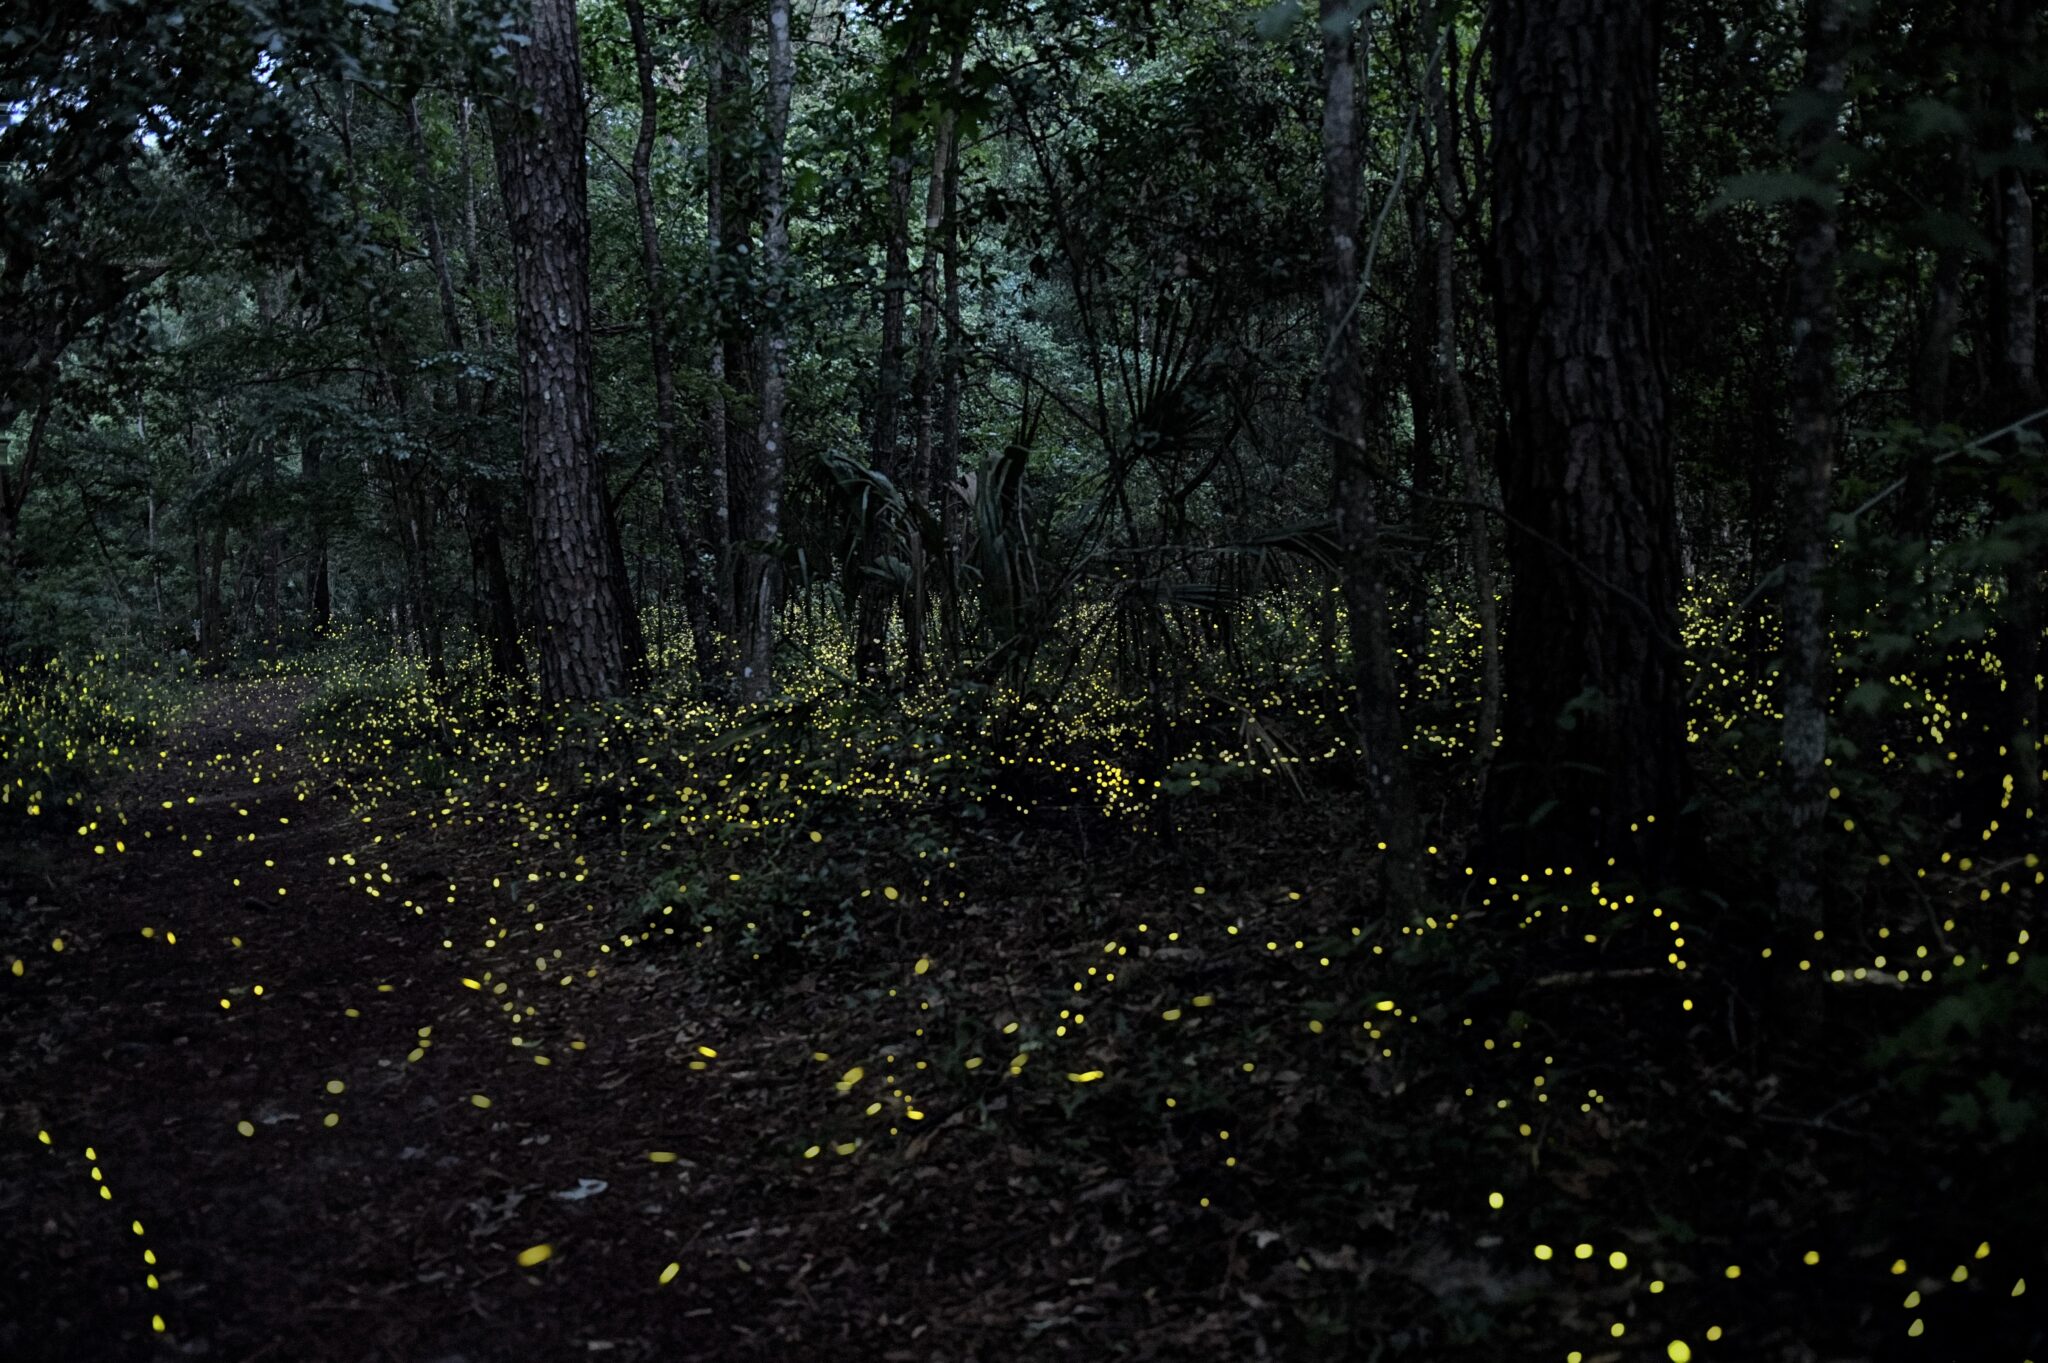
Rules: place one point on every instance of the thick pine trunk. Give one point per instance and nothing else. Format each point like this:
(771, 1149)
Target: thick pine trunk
(540, 158)
(1382, 735)
(1592, 761)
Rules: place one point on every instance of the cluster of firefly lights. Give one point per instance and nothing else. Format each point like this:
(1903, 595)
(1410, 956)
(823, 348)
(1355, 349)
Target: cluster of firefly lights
(693, 772)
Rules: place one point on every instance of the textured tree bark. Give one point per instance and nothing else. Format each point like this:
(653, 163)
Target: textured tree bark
(1592, 761)
(1478, 541)
(760, 570)
(699, 604)
(1382, 734)
(1803, 696)
(540, 157)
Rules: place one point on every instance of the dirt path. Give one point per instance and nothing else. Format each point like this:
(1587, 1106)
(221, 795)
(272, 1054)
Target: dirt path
(331, 1145)
(306, 1084)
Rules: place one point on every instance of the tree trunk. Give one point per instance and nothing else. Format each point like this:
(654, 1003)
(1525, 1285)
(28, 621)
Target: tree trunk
(1382, 736)
(760, 574)
(729, 48)
(540, 158)
(925, 385)
(931, 305)
(500, 605)
(947, 472)
(500, 627)
(319, 593)
(1478, 539)
(2015, 326)
(876, 595)
(272, 569)
(412, 517)
(698, 604)
(1592, 761)
(1803, 696)
(1914, 511)
(14, 487)
(212, 557)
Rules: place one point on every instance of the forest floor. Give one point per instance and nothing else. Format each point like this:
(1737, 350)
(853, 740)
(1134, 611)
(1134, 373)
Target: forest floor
(291, 1089)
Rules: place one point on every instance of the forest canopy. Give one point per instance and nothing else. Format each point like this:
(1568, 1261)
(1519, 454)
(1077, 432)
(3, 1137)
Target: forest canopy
(1373, 542)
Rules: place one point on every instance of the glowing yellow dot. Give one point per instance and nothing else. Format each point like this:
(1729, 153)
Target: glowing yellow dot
(536, 1254)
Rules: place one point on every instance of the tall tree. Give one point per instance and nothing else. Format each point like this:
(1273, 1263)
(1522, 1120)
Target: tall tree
(925, 384)
(759, 578)
(540, 156)
(1592, 755)
(500, 621)
(876, 592)
(1464, 429)
(2015, 320)
(1382, 734)
(699, 606)
(1804, 688)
